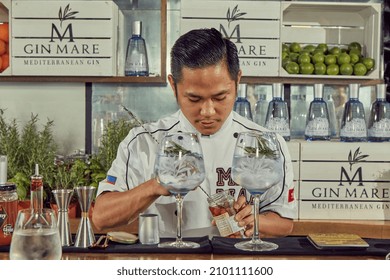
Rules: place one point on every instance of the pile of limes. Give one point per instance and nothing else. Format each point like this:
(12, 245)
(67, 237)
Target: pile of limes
(322, 59)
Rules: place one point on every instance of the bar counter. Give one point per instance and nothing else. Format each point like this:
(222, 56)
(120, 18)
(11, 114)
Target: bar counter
(376, 232)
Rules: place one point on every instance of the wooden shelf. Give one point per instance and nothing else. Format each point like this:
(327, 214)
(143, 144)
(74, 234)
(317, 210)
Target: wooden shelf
(310, 81)
(84, 79)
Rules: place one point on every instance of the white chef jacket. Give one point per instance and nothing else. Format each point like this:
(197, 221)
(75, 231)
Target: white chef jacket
(134, 164)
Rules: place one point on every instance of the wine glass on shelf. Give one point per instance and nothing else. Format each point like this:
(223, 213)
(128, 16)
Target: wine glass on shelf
(180, 168)
(257, 167)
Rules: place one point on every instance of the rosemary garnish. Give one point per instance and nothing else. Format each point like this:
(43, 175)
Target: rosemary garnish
(176, 149)
(261, 149)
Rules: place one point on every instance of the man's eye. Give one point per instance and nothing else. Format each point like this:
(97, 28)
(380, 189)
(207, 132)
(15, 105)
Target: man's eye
(194, 99)
(220, 98)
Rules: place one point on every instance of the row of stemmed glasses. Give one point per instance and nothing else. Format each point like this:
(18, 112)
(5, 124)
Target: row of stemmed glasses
(257, 167)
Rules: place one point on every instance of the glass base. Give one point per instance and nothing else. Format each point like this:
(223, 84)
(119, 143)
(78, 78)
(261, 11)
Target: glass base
(179, 244)
(256, 246)
(388, 256)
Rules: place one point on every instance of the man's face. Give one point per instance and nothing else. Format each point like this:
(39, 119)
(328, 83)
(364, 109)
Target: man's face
(206, 96)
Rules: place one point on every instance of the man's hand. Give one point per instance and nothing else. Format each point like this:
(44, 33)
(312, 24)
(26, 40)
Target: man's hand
(244, 216)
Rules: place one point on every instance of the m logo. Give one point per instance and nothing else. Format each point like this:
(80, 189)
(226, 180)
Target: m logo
(223, 176)
(232, 16)
(65, 15)
(353, 159)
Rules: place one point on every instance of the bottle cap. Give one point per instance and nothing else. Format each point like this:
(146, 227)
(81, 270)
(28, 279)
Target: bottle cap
(242, 90)
(6, 187)
(137, 27)
(318, 90)
(3, 169)
(354, 91)
(381, 91)
(277, 90)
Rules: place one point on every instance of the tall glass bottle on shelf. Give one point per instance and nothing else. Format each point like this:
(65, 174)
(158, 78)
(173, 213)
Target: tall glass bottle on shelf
(379, 119)
(136, 55)
(317, 124)
(242, 105)
(333, 122)
(261, 106)
(277, 119)
(353, 124)
(299, 111)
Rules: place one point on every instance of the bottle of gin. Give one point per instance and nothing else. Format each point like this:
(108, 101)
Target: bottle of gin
(261, 106)
(334, 125)
(353, 124)
(317, 124)
(379, 120)
(277, 119)
(299, 111)
(242, 105)
(136, 56)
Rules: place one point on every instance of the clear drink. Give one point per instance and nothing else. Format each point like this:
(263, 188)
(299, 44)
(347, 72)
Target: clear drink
(256, 174)
(30, 244)
(180, 176)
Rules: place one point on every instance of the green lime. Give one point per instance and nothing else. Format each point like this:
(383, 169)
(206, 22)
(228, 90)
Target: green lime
(368, 62)
(306, 68)
(343, 58)
(335, 50)
(318, 57)
(284, 55)
(317, 50)
(359, 69)
(332, 69)
(355, 46)
(323, 47)
(293, 56)
(320, 68)
(346, 69)
(304, 58)
(354, 58)
(355, 51)
(330, 59)
(292, 67)
(285, 61)
(295, 47)
(309, 48)
(285, 48)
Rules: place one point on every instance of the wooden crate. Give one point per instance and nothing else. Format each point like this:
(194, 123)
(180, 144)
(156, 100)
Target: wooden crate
(254, 26)
(344, 181)
(336, 24)
(67, 38)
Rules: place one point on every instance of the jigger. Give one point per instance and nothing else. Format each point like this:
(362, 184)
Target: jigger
(85, 236)
(63, 198)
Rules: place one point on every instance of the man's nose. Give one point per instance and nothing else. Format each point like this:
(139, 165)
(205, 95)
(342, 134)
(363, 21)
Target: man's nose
(207, 108)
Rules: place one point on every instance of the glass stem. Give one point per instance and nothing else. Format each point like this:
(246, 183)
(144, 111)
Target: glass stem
(256, 208)
(179, 208)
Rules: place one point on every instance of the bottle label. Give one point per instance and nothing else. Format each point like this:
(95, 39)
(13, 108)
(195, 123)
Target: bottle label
(279, 125)
(354, 128)
(317, 127)
(380, 129)
(8, 212)
(226, 224)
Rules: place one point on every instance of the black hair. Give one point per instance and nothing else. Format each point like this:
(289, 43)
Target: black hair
(200, 48)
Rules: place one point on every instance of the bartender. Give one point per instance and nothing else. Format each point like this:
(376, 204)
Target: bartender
(205, 73)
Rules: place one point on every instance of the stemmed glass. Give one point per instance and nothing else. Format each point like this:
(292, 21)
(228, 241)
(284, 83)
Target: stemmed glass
(180, 168)
(257, 167)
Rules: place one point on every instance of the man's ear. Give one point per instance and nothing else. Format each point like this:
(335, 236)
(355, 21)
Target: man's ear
(172, 83)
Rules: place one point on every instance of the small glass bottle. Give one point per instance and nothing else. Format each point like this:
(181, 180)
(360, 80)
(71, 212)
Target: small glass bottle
(299, 111)
(242, 105)
(277, 119)
(221, 207)
(136, 56)
(36, 191)
(379, 120)
(261, 107)
(317, 124)
(353, 124)
(8, 204)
